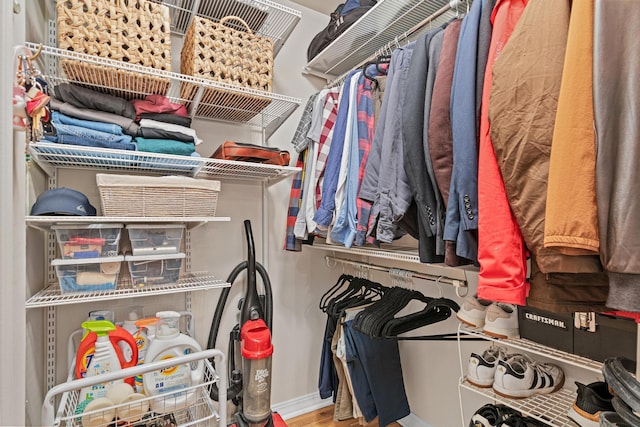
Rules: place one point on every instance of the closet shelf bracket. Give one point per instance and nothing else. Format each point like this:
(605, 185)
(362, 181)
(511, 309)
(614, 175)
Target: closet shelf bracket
(457, 283)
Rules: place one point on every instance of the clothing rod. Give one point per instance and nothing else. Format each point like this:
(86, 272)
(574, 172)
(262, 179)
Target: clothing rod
(414, 274)
(395, 42)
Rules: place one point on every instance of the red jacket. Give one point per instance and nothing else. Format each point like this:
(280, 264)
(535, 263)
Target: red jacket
(501, 251)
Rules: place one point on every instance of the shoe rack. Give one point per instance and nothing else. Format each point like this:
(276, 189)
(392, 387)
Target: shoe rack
(551, 409)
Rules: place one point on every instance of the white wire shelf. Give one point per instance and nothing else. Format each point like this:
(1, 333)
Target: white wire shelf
(204, 98)
(539, 349)
(45, 222)
(265, 18)
(551, 408)
(51, 155)
(381, 25)
(402, 254)
(51, 295)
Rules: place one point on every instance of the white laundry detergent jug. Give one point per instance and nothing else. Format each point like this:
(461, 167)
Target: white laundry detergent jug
(172, 384)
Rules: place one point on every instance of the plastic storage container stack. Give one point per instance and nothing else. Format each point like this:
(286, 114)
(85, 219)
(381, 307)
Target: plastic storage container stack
(155, 257)
(88, 274)
(89, 259)
(88, 240)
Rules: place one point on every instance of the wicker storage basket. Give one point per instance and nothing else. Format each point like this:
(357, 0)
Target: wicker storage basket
(132, 31)
(165, 196)
(220, 52)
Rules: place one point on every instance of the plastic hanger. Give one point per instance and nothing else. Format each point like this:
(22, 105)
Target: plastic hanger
(324, 300)
(379, 319)
(366, 293)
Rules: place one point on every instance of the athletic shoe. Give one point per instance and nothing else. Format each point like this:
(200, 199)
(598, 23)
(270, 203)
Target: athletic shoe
(482, 367)
(519, 376)
(473, 311)
(491, 415)
(501, 321)
(592, 400)
(521, 421)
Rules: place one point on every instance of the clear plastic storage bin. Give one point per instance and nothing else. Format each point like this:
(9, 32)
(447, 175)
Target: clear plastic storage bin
(88, 240)
(89, 274)
(149, 270)
(155, 239)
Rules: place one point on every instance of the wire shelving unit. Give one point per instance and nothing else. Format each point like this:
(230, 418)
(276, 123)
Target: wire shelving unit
(203, 98)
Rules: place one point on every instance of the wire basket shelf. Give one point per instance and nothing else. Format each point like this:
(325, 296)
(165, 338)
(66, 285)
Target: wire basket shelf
(233, 104)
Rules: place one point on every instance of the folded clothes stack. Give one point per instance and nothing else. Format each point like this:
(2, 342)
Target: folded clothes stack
(82, 116)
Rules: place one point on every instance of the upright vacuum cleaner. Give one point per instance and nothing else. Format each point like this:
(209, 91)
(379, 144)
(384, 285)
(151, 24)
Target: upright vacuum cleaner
(250, 374)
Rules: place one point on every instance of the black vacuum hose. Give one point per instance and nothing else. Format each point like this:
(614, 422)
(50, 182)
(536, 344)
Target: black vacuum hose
(233, 392)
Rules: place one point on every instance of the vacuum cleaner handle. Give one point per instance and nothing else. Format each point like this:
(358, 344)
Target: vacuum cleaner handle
(251, 308)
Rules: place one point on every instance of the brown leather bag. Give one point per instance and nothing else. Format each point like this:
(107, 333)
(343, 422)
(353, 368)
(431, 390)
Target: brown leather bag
(244, 152)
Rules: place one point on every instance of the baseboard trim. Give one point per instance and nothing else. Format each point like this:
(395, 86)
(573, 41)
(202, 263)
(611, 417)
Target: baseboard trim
(301, 405)
(412, 420)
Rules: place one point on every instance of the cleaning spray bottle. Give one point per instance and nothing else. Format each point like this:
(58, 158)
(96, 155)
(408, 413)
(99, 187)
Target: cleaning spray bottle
(144, 335)
(103, 357)
(169, 343)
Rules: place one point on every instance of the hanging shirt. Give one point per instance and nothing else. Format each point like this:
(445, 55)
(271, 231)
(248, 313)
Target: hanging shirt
(365, 219)
(366, 131)
(326, 136)
(350, 131)
(324, 215)
(344, 229)
(392, 195)
(291, 243)
(308, 209)
(299, 140)
(300, 228)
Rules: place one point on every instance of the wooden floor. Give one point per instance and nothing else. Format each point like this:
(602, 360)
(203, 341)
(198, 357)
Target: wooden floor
(324, 418)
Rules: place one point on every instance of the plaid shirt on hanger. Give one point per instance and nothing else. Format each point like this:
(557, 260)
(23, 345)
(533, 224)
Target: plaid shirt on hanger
(295, 200)
(366, 130)
(300, 141)
(329, 115)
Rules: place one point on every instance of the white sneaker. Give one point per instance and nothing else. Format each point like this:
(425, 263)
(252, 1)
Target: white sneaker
(473, 311)
(501, 321)
(482, 367)
(519, 376)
